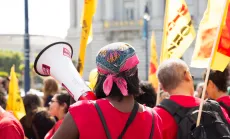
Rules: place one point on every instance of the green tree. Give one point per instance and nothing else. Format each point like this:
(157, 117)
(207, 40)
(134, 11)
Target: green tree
(8, 59)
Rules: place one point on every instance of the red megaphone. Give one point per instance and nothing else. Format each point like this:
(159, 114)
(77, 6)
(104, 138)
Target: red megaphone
(88, 96)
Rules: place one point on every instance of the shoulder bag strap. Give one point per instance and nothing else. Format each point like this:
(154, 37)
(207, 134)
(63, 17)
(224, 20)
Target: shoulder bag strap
(102, 120)
(130, 119)
(152, 129)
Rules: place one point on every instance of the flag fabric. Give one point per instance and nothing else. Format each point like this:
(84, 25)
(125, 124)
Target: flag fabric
(90, 37)
(207, 33)
(153, 63)
(221, 55)
(14, 102)
(89, 11)
(179, 32)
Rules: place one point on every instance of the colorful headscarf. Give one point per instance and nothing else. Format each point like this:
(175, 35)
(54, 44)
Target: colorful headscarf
(113, 59)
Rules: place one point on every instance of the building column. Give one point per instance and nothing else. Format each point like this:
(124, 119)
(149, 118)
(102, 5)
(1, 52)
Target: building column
(80, 6)
(158, 8)
(109, 10)
(73, 13)
(98, 15)
(141, 7)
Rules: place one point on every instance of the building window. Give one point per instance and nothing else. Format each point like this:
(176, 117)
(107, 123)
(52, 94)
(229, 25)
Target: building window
(129, 14)
(129, 7)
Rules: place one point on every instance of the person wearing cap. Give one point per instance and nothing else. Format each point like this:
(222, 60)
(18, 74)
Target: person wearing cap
(115, 114)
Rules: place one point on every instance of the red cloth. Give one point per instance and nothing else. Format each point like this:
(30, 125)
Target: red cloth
(225, 100)
(53, 130)
(169, 128)
(89, 125)
(10, 127)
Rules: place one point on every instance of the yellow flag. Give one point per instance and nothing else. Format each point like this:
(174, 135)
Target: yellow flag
(14, 102)
(179, 32)
(207, 33)
(90, 37)
(89, 11)
(221, 55)
(153, 63)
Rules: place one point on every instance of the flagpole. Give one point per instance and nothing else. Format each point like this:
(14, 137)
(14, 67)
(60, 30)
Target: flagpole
(147, 52)
(146, 24)
(163, 44)
(26, 51)
(210, 62)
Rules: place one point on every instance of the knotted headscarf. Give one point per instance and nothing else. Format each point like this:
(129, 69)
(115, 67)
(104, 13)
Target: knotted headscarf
(113, 59)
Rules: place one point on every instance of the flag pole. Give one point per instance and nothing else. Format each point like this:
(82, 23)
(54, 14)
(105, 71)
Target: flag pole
(26, 51)
(146, 24)
(163, 44)
(210, 61)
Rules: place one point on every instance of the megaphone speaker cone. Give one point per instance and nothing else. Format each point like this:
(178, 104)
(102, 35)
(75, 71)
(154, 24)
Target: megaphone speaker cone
(56, 60)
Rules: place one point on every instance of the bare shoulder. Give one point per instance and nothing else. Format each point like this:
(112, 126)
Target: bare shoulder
(68, 129)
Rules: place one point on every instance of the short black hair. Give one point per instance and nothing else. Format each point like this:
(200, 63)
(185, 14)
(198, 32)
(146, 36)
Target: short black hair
(148, 94)
(63, 98)
(131, 77)
(220, 79)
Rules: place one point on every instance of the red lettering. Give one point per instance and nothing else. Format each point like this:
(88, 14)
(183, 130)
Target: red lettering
(181, 12)
(179, 37)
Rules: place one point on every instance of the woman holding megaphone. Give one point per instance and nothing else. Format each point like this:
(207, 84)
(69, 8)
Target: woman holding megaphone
(115, 114)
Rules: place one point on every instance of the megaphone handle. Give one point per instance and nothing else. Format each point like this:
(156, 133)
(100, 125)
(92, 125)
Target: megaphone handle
(88, 96)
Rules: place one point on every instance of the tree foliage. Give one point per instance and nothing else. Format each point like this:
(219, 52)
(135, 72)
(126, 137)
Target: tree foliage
(8, 59)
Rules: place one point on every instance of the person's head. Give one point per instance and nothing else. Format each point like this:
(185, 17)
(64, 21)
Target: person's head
(3, 100)
(117, 71)
(217, 83)
(173, 74)
(59, 104)
(32, 102)
(147, 95)
(42, 122)
(50, 86)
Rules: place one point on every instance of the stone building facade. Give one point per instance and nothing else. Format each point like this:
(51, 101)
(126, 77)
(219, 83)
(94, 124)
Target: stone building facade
(121, 20)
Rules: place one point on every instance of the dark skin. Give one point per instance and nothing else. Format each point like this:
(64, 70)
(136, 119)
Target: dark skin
(69, 130)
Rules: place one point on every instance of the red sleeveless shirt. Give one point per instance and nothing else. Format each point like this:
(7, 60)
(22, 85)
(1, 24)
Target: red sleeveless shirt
(89, 125)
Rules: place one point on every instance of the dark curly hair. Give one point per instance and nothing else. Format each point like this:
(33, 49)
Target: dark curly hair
(148, 94)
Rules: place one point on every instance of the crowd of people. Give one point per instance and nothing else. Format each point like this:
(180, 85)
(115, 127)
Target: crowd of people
(125, 107)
